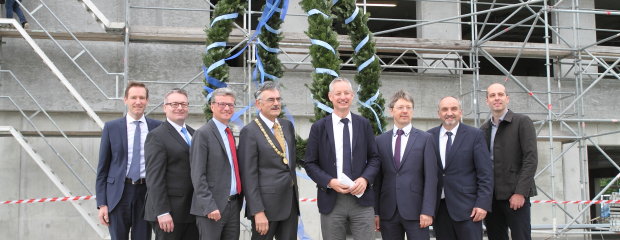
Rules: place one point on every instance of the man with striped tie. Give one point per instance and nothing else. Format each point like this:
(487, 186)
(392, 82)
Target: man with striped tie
(168, 182)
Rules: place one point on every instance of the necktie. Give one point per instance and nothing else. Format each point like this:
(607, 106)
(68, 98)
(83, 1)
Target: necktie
(233, 152)
(399, 133)
(277, 130)
(448, 146)
(187, 140)
(346, 148)
(134, 168)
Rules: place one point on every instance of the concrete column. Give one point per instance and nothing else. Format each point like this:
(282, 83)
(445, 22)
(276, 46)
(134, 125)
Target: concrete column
(570, 35)
(429, 11)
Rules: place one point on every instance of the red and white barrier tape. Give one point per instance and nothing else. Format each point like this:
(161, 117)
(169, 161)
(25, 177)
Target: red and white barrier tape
(78, 198)
(56, 199)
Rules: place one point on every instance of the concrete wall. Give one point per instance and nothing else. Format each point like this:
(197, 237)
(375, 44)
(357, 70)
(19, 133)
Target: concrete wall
(164, 66)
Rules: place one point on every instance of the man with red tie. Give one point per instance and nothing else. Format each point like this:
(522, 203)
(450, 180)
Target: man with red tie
(215, 175)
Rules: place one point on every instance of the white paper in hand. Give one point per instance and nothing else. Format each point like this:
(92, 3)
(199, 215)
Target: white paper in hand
(344, 179)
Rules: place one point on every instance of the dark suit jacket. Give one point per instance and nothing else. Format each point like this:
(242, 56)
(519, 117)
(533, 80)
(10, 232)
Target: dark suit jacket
(412, 188)
(268, 184)
(467, 179)
(320, 159)
(515, 155)
(169, 187)
(211, 171)
(112, 168)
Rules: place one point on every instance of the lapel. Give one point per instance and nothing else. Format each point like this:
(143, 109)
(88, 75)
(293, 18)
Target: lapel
(412, 138)
(123, 134)
(357, 129)
(216, 134)
(270, 134)
(329, 130)
(435, 135)
(387, 144)
(459, 137)
(176, 135)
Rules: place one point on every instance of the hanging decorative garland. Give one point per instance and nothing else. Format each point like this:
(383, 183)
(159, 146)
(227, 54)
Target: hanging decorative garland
(326, 60)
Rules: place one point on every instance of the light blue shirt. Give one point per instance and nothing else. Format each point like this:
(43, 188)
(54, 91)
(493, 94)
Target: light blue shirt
(221, 128)
(494, 130)
(178, 128)
(131, 130)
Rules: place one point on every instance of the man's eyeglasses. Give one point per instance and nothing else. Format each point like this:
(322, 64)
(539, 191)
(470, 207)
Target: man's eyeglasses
(223, 105)
(177, 104)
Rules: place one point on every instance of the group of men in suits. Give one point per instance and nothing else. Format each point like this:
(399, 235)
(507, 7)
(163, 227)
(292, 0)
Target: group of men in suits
(187, 184)
(413, 179)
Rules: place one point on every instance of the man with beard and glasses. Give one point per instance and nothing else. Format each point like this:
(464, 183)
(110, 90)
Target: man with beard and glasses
(341, 158)
(267, 161)
(466, 175)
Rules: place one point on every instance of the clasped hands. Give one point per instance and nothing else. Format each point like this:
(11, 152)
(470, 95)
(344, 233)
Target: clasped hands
(358, 187)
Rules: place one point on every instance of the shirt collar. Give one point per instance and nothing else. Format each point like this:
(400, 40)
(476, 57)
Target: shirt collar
(501, 118)
(443, 130)
(267, 121)
(406, 129)
(220, 126)
(336, 119)
(176, 126)
(130, 120)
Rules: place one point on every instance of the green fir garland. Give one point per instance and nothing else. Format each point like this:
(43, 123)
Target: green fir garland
(271, 62)
(320, 28)
(219, 33)
(368, 78)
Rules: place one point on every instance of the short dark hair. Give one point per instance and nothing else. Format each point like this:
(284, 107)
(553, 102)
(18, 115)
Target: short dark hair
(175, 90)
(268, 85)
(401, 94)
(136, 84)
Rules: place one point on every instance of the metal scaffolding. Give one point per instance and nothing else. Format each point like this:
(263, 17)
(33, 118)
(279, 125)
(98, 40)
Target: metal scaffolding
(572, 69)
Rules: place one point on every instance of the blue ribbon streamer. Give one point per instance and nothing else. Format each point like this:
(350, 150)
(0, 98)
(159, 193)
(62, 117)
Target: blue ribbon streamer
(334, 2)
(327, 71)
(303, 175)
(365, 64)
(224, 17)
(362, 43)
(214, 45)
(301, 233)
(272, 30)
(323, 106)
(209, 90)
(284, 9)
(261, 69)
(275, 8)
(215, 65)
(323, 44)
(267, 48)
(316, 11)
(352, 17)
(368, 103)
(211, 80)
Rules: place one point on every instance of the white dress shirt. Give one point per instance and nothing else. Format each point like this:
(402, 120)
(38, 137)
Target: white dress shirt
(131, 129)
(403, 139)
(178, 128)
(443, 140)
(338, 128)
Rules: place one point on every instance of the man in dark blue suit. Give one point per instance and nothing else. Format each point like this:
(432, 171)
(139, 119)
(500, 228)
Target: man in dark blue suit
(121, 171)
(406, 186)
(341, 157)
(466, 179)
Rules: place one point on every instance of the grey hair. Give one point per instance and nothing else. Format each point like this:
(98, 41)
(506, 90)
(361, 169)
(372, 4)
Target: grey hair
(267, 86)
(222, 92)
(401, 94)
(339, 79)
(175, 90)
(457, 100)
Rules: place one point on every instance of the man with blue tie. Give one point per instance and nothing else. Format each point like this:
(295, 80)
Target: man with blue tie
(341, 158)
(406, 185)
(121, 184)
(169, 186)
(466, 175)
(215, 175)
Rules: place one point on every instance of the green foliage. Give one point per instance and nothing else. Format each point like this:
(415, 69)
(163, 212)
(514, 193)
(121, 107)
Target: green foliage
(219, 33)
(271, 62)
(321, 28)
(300, 150)
(368, 78)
